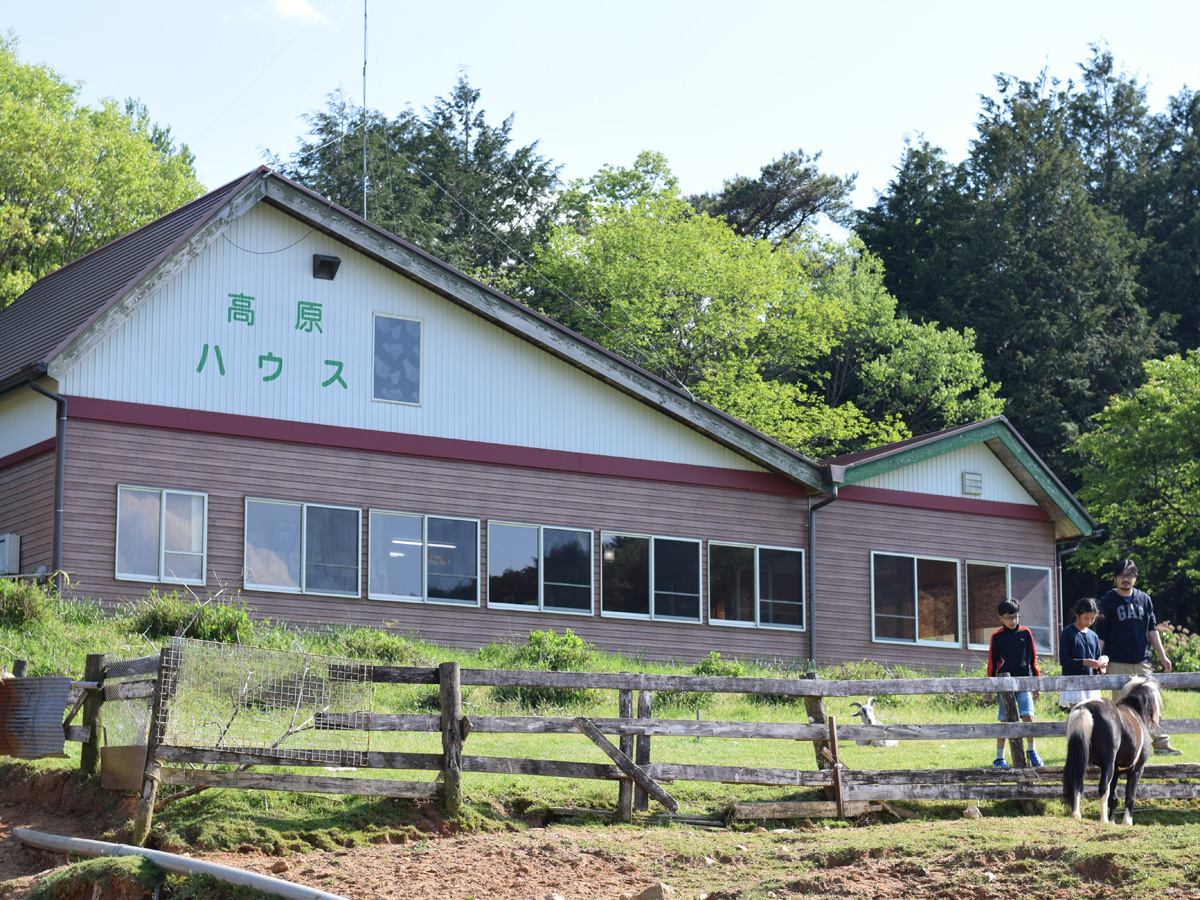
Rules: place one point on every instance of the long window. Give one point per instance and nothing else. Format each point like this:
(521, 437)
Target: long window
(539, 567)
(423, 558)
(303, 547)
(749, 585)
(655, 577)
(161, 535)
(397, 360)
(990, 583)
(914, 598)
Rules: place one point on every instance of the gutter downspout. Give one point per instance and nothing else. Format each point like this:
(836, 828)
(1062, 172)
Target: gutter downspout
(836, 475)
(60, 468)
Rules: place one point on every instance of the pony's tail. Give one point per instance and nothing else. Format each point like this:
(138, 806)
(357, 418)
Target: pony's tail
(1079, 740)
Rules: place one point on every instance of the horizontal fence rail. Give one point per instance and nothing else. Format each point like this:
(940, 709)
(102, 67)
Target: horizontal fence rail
(639, 779)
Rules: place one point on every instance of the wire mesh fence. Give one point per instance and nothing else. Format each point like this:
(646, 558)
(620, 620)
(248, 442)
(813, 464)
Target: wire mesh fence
(300, 706)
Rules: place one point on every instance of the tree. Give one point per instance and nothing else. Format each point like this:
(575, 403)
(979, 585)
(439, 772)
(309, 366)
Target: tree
(750, 328)
(73, 178)
(1142, 483)
(789, 194)
(1011, 244)
(446, 181)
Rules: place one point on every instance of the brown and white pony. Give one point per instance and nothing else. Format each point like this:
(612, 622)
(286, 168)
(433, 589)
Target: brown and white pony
(1115, 737)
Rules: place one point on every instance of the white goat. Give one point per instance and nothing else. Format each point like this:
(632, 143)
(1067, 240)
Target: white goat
(866, 712)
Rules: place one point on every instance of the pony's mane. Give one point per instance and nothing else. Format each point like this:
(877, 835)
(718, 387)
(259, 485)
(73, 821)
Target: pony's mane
(1144, 696)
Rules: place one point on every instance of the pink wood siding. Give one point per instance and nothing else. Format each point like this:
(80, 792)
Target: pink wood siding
(848, 531)
(230, 469)
(27, 508)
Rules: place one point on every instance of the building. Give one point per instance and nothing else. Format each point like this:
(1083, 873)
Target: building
(263, 395)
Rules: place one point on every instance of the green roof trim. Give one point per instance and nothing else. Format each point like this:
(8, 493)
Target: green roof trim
(1000, 431)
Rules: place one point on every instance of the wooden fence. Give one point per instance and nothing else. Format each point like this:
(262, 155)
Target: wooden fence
(847, 791)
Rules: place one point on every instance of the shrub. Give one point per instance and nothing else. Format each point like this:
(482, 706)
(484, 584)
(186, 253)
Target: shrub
(170, 615)
(22, 602)
(712, 664)
(374, 644)
(1182, 647)
(550, 652)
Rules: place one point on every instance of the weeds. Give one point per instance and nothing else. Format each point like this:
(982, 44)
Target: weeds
(170, 615)
(551, 652)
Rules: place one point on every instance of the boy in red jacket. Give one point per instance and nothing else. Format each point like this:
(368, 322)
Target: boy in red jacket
(1012, 653)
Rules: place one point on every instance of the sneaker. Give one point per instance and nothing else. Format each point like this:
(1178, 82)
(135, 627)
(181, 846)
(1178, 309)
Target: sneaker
(1034, 759)
(1164, 748)
(999, 763)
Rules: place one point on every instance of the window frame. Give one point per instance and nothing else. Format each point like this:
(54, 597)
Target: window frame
(917, 641)
(758, 598)
(302, 587)
(652, 616)
(424, 597)
(541, 604)
(1051, 650)
(163, 576)
(420, 359)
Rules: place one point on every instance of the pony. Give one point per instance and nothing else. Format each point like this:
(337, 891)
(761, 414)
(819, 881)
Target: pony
(1116, 737)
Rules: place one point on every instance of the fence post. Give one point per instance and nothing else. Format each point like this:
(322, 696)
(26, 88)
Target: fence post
(450, 692)
(625, 786)
(145, 808)
(93, 713)
(814, 706)
(645, 704)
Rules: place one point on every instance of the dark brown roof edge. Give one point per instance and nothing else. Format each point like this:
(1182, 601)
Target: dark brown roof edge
(234, 188)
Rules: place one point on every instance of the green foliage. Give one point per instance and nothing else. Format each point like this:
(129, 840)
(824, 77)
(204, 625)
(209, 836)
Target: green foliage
(22, 603)
(773, 335)
(374, 644)
(712, 664)
(789, 194)
(1182, 647)
(447, 181)
(121, 876)
(552, 652)
(73, 178)
(172, 615)
(1142, 484)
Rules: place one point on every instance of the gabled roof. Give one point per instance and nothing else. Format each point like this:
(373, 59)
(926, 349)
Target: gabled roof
(36, 326)
(64, 314)
(1070, 519)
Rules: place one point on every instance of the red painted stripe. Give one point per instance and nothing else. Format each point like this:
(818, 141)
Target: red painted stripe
(189, 420)
(28, 453)
(914, 500)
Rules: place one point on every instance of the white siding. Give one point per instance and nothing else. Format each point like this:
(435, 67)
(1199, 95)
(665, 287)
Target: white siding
(26, 418)
(478, 382)
(942, 476)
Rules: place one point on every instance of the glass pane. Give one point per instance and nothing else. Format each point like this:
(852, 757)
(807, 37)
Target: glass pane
(272, 544)
(677, 578)
(565, 596)
(512, 564)
(331, 550)
(730, 583)
(397, 359)
(568, 565)
(894, 581)
(183, 558)
(1032, 588)
(937, 600)
(781, 584)
(451, 560)
(625, 574)
(185, 523)
(138, 532)
(987, 587)
(395, 555)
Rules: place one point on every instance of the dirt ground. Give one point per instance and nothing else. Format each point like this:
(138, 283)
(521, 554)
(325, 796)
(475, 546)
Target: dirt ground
(533, 864)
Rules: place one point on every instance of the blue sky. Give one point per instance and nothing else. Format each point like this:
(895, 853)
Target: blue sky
(719, 88)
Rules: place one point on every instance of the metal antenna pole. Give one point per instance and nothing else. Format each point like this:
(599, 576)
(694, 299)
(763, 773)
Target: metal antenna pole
(364, 109)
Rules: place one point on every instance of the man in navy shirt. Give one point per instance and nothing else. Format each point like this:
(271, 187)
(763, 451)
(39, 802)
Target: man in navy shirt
(1127, 630)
